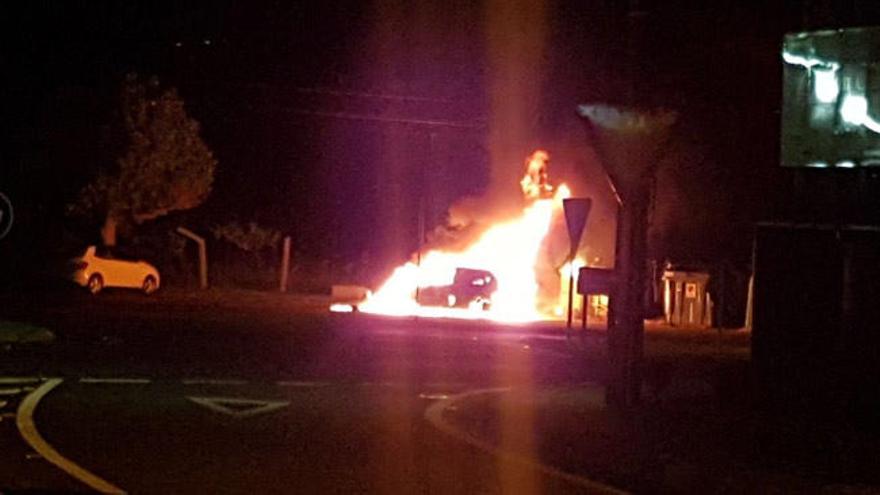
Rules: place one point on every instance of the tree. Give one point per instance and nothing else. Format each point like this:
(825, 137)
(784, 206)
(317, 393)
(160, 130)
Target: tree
(252, 239)
(164, 165)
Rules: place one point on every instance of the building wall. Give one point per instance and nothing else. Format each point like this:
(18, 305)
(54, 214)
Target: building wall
(816, 335)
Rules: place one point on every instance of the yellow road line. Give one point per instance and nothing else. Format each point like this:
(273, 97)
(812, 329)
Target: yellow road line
(28, 430)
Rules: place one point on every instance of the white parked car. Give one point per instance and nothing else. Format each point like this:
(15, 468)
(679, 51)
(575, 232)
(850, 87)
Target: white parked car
(95, 272)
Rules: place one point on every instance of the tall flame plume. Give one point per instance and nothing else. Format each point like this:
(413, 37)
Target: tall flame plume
(508, 249)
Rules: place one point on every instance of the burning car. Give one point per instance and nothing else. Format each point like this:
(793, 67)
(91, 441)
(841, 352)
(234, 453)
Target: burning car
(436, 284)
(470, 288)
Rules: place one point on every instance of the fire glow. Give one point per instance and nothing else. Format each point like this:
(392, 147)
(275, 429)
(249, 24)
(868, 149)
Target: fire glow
(508, 249)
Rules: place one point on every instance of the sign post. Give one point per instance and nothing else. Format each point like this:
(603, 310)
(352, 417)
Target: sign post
(629, 143)
(285, 264)
(576, 212)
(596, 281)
(203, 256)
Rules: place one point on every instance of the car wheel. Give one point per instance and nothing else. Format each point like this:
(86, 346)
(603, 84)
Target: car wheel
(96, 283)
(149, 285)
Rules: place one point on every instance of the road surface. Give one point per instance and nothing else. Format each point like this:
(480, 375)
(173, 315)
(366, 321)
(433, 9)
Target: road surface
(170, 396)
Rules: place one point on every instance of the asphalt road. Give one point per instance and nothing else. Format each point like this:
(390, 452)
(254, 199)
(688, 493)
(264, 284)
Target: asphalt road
(220, 395)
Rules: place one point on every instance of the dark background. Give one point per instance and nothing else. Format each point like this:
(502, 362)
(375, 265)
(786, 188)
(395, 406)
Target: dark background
(334, 122)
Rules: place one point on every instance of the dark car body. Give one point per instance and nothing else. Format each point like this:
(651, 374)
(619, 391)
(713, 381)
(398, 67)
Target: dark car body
(469, 287)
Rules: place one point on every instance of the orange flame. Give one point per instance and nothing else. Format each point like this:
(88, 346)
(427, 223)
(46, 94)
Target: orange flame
(535, 184)
(509, 250)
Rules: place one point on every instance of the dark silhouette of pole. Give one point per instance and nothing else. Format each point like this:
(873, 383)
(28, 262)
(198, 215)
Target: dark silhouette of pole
(629, 142)
(570, 290)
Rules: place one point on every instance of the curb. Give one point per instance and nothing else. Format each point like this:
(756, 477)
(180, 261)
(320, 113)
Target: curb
(434, 415)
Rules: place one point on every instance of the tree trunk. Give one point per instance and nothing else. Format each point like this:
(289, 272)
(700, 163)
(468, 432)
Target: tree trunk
(108, 231)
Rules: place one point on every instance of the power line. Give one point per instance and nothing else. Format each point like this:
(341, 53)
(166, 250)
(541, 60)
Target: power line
(364, 94)
(323, 91)
(392, 120)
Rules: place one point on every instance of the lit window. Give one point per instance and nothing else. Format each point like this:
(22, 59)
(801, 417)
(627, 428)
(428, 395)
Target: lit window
(825, 85)
(854, 109)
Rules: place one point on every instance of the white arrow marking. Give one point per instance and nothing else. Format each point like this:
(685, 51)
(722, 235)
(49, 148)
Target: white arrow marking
(433, 396)
(239, 408)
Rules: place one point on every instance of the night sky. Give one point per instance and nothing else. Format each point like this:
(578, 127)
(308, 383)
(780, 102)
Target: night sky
(334, 121)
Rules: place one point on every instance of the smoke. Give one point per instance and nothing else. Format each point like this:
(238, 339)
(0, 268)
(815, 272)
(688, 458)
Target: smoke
(515, 40)
(515, 37)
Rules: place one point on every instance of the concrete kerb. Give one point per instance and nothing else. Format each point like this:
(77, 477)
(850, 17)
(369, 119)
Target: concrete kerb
(435, 415)
(23, 333)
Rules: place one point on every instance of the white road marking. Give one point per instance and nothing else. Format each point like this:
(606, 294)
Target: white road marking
(8, 380)
(115, 381)
(433, 396)
(253, 406)
(28, 430)
(210, 381)
(10, 391)
(434, 415)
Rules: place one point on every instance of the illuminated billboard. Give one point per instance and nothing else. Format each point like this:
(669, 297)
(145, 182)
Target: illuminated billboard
(831, 98)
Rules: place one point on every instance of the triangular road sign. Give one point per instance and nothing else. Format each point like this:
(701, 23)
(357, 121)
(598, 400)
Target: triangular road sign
(239, 408)
(576, 212)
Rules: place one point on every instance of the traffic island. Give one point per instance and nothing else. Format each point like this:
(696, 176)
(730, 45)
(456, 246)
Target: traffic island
(681, 439)
(17, 333)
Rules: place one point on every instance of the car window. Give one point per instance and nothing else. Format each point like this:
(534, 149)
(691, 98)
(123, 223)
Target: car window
(104, 252)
